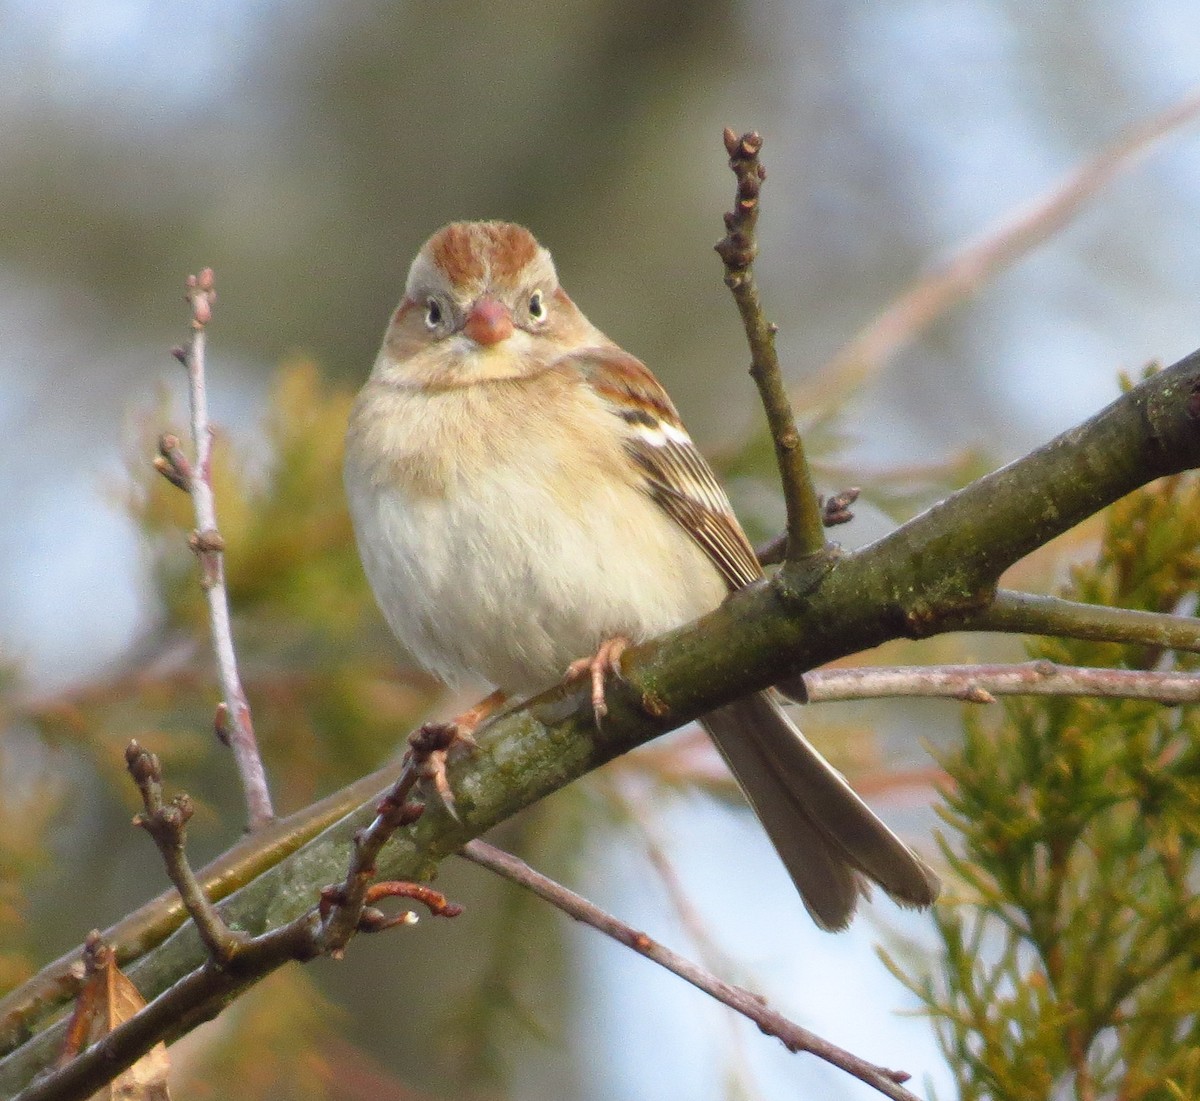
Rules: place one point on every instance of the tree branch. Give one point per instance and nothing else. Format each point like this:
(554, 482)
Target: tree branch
(737, 249)
(235, 960)
(1029, 614)
(982, 683)
(752, 1006)
(929, 575)
(148, 926)
(959, 276)
(233, 722)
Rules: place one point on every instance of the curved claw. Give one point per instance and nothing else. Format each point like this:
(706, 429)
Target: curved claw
(433, 743)
(607, 659)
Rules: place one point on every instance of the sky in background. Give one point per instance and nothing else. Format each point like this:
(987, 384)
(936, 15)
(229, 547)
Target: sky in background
(957, 114)
(306, 149)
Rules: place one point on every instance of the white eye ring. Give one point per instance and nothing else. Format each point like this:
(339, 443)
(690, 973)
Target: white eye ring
(433, 313)
(537, 306)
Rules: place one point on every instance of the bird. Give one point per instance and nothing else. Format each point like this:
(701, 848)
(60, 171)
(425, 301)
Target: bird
(527, 503)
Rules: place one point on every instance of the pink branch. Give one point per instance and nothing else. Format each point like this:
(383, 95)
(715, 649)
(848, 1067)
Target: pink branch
(958, 277)
(982, 683)
(232, 721)
(772, 1023)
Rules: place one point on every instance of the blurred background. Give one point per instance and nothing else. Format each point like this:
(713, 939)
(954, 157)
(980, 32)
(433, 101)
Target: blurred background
(305, 150)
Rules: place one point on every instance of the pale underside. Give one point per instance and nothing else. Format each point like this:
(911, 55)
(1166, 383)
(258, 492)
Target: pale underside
(489, 581)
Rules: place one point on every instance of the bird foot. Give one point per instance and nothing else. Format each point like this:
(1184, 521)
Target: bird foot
(432, 743)
(605, 660)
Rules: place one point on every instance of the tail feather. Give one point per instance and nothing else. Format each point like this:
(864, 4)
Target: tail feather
(826, 836)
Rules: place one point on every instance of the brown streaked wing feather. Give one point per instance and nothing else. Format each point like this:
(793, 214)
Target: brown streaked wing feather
(677, 476)
(720, 537)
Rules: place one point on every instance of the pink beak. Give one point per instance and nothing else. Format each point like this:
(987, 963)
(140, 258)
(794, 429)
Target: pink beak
(489, 322)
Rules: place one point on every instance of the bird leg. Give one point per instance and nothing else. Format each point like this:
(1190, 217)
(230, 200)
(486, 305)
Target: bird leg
(470, 720)
(607, 659)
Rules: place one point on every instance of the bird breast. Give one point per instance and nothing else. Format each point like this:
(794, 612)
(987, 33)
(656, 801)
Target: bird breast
(506, 533)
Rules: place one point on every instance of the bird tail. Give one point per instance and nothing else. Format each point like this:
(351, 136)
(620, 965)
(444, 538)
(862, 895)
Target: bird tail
(826, 836)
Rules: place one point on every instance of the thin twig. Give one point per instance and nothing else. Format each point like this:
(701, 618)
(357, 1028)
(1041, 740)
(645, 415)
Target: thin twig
(982, 683)
(791, 1035)
(237, 961)
(737, 249)
(342, 907)
(167, 823)
(1029, 614)
(958, 277)
(233, 721)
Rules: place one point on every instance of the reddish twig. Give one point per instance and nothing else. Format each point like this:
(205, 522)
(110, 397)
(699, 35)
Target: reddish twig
(232, 722)
(791, 1035)
(374, 920)
(343, 906)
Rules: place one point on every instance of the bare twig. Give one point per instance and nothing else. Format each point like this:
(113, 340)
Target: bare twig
(958, 277)
(791, 1035)
(232, 721)
(237, 961)
(982, 683)
(737, 249)
(1030, 614)
(167, 823)
(343, 906)
(152, 923)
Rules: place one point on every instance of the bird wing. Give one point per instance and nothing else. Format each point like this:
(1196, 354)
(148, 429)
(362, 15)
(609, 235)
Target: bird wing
(675, 474)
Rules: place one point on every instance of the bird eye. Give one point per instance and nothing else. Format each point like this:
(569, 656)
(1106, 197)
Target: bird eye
(537, 306)
(433, 313)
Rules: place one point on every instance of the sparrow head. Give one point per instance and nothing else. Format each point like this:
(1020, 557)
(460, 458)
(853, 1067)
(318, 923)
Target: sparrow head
(482, 301)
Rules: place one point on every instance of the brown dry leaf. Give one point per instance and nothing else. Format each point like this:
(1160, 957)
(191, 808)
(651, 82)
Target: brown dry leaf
(106, 1000)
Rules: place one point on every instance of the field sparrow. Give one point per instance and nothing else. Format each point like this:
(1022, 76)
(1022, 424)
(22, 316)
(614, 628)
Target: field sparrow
(524, 495)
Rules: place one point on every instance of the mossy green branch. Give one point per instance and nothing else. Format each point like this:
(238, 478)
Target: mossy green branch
(133, 936)
(1030, 614)
(938, 572)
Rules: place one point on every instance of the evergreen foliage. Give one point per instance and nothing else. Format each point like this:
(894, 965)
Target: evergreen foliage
(1071, 954)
